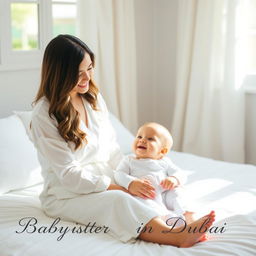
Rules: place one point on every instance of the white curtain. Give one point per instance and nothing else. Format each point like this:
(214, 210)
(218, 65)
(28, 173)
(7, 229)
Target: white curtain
(209, 107)
(107, 26)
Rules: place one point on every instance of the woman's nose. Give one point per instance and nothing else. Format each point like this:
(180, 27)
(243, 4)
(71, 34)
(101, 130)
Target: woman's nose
(86, 76)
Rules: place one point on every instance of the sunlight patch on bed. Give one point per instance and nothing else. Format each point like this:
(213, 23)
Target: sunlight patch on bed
(237, 202)
(201, 188)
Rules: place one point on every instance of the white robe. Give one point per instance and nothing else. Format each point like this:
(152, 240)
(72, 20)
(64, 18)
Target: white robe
(75, 182)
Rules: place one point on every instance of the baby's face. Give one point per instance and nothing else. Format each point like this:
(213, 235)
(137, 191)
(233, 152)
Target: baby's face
(148, 143)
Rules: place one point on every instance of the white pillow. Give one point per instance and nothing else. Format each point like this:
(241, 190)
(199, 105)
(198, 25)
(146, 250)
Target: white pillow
(25, 117)
(19, 166)
(124, 136)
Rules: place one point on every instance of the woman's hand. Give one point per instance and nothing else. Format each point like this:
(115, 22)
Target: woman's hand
(117, 187)
(169, 183)
(142, 188)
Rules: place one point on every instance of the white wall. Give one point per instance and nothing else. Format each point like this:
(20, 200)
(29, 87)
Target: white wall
(144, 13)
(156, 44)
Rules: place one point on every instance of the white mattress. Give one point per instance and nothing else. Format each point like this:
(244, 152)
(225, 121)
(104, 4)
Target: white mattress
(227, 188)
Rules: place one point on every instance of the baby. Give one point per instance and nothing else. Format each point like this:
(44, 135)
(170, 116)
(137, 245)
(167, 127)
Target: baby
(150, 168)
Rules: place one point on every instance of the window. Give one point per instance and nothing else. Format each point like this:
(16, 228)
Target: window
(26, 26)
(64, 15)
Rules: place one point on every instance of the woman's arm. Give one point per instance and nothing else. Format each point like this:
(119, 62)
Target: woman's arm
(142, 188)
(135, 186)
(122, 174)
(61, 160)
(117, 187)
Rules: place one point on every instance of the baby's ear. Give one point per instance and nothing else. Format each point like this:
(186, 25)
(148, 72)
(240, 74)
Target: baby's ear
(164, 150)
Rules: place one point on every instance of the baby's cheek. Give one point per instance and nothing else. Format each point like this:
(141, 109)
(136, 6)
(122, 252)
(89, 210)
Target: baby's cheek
(134, 145)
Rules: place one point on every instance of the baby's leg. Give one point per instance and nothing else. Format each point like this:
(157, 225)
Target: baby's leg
(157, 201)
(173, 201)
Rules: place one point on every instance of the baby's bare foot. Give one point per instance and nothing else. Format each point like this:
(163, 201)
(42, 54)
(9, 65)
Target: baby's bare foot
(195, 232)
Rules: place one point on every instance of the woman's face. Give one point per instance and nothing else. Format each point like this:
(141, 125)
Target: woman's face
(84, 76)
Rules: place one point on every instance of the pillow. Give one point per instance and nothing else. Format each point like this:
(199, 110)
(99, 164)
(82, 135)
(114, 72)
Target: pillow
(19, 166)
(25, 117)
(124, 136)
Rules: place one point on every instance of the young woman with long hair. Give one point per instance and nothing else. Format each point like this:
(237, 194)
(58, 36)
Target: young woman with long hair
(78, 152)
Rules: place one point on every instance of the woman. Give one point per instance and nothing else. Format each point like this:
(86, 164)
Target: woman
(78, 153)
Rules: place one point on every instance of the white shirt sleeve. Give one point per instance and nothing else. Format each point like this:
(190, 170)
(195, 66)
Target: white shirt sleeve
(121, 175)
(176, 172)
(61, 159)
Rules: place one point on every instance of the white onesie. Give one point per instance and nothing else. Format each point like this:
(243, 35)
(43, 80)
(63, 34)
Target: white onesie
(167, 202)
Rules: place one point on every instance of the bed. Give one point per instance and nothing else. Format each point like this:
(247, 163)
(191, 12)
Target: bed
(228, 188)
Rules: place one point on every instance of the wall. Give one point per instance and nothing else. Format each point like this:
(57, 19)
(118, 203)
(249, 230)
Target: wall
(155, 32)
(144, 22)
(165, 64)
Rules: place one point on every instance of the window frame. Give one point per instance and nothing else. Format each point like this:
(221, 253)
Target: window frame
(30, 59)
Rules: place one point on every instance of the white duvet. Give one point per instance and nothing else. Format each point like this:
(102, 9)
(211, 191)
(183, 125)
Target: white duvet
(227, 188)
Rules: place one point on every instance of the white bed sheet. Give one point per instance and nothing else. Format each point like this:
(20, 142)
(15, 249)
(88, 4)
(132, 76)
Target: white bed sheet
(227, 188)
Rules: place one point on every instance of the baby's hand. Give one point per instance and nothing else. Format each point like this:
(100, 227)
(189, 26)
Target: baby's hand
(142, 188)
(169, 183)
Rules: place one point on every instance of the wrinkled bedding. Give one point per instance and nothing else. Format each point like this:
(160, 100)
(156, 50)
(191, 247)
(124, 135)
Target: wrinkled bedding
(227, 188)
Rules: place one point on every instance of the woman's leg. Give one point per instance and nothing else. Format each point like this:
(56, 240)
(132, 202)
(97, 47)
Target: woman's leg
(123, 214)
(157, 231)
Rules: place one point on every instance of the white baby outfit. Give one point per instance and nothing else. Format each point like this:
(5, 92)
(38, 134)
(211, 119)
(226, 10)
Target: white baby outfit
(168, 203)
(75, 182)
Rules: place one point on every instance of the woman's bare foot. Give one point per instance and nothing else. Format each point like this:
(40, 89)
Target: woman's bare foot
(204, 238)
(189, 217)
(196, 231)
(183, 236)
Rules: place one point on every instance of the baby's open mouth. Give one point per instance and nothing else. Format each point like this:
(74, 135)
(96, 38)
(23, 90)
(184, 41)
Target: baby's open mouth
(141, 147)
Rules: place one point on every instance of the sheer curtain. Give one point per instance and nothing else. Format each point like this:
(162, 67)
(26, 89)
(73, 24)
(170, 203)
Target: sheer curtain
(209, 107)
(107, 26)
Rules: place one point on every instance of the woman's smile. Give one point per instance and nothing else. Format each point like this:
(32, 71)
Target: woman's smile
(83, 85)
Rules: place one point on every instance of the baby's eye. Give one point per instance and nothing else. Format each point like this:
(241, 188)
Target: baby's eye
(151, 139)
(139, 137)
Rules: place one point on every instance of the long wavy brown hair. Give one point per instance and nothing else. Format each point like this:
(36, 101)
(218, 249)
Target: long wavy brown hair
(59, 75)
